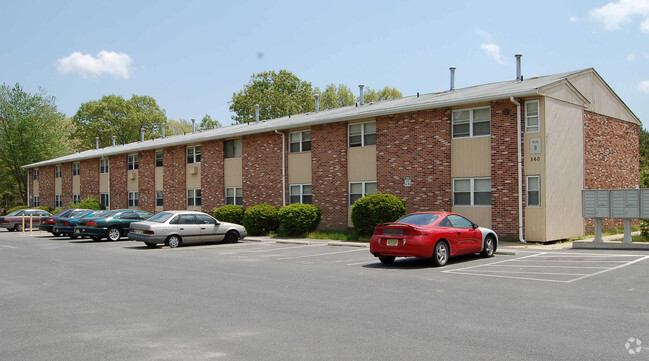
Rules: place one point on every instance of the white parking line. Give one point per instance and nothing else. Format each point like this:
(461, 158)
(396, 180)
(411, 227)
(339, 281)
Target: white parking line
(610, 269)
(320, 254)
(7, 246)
(271, 248)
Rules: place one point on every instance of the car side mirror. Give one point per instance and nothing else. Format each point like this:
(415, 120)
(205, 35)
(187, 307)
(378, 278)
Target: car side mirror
(474, 226)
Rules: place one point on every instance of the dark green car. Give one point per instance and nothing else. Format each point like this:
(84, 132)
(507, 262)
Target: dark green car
(110, 224)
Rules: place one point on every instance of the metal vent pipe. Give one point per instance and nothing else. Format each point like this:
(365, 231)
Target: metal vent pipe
(519, 76)
(360, 87)
(256, 113)
(193, 125)
(97, 142)
(163, 131)
(113, 140)
(452, 69)
(317, 103)
(142, 134)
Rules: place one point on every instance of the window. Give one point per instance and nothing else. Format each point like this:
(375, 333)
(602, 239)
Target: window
(358, 190)
(232, 148)
(194, 154)
(76, 169)
(533, 191)
(459, 221)
(132, 161)
(104, 199)
(472, 192)
(133, 200)
(193, 197)
(532, 116)
(234, 195)
(300, 193)
(158, 199)
(205, 219)
(103, 165)
(300, 141)
(37, 202)
(362, 134)
(57, 171)
(35, 174)
(76, 198)
(158, 158)
(471, 122)
(57, 201)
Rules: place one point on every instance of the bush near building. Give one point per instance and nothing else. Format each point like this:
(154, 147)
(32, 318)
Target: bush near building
(88, 203)
(375, 209)
(48, 209)
(298, 219)
(229, 213)
(260, 219)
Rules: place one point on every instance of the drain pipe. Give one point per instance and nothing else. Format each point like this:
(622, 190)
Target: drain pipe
(521, 235)
(283, 168)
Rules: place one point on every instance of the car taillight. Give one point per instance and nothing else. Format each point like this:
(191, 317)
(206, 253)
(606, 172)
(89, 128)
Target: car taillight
(91, 223)
(49, 221)
(411, 232)
(378, 231)
(66, 223)
(148, 231)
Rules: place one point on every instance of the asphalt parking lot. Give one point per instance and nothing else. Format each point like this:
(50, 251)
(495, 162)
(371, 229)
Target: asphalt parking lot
(67, 299)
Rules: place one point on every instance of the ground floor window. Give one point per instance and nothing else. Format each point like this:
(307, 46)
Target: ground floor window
(193, 197)
(158, 199)
(533, 191)
(57, 201)
(472, 191)
(358, 190)
(37, 202)
(234, 195)
(300, 193)
(133, 199)
(76, 198)
(104, 200)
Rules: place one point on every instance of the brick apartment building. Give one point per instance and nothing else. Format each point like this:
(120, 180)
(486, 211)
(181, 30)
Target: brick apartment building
(454, 150)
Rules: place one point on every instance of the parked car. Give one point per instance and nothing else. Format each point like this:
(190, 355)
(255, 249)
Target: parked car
(47, 223)
(434, 235)
(111, 224)
(65, 225)
(174, 228)
(14, 220)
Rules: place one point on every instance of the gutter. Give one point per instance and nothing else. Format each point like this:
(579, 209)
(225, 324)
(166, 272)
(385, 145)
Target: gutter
(283, 168)
(520, 170)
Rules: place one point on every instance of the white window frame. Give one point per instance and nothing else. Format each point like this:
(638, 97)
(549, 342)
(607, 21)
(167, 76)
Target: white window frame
(58, 170)
(472, 192)
(533, 128)
(527, 190)
(133, 162)
(363, 134)
(159, 201)
(237, 148)
(195, 156)
(302, 144)
(155, 157)
(76, 198)
(57, 201)
(364, 187)
(133, 199)
(471, 122)
(76, 169)
(36, 201)
(301, 194)
(237, 201)
(194, 197)
(104, 166)
(106, 200)
(35, 174)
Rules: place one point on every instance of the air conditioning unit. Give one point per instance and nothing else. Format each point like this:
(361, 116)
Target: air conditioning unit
(133, 175)
(193, 170)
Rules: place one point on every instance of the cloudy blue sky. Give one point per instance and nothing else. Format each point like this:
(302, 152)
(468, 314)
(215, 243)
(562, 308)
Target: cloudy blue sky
(191, 56)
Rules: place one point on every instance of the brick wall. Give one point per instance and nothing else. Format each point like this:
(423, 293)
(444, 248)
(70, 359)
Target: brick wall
(66, 184)
(212, 184)
(118, 182)
(611, 157)
(46, 186)
(175, 178)
(89, 180)
(262, 169)
(329, 174)
(146, 181)
(418, 145)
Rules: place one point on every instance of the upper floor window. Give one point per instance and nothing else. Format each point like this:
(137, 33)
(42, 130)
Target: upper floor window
(76, 169)
(532, 116)
(158, 158)
(232, 148)
(300, 141)
(300, 193)
(132, 161)
(103, 165)
(471, 122)
(35, 173)
(472, 192)
(57, 171)
(194, 154)
(362, 134)
(358, 190)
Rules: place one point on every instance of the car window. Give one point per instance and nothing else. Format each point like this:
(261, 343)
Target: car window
(421, 219)
(129, 215)
(161, 217)
(30, 213)
(459, 221)
(186, 219)
(205, 219)
(144, 214)
(78, 213)
(43, 213)
(445, 223)
(15, 213)
(64, 213)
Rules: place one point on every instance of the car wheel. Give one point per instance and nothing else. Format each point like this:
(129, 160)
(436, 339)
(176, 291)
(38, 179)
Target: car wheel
(73, 236)
(18, 227)
(173, 241)
(113, 234)
(151, 245)
(440, 254)
(231, 237)
(489, 247)
(56, 234)
(10, 229)
(95, 238)
(386, 259)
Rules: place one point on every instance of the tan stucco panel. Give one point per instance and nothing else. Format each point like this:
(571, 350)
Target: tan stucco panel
(104, 183)
(58, 186)
(76, 184)
(361, 163)
(36, 188)
(132, 180)
(602, 99)
(193, 176)
(471, 157)
(534, 164)
(479, 215)
(159, 178)
(299, 168)
(232, 169)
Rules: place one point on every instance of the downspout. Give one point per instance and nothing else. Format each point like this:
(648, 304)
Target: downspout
(520, 170)
(27, 175)
(109, 195)
(283, 168)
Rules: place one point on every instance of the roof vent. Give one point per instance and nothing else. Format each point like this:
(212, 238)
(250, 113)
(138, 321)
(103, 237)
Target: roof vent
(97, 142)
(317, 102)
(256, 113)
(519, 76)
(193, 125)
(113, 140)
(452, 69)
(360, 87)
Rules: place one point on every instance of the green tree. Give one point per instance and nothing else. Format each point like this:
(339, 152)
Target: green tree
(386, 93)
(207, 123)
(31, 129)
(277, 93)
(336, 97)
(113, 115)
(178, 127)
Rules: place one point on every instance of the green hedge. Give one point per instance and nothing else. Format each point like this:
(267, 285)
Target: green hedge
(260, 219)
(298, 219)
(375, 209)
(88, 203)
(229, 213)
(15, 208)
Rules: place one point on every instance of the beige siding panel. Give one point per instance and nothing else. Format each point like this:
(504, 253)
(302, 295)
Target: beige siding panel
(232, 172)
(159, 178)
(564, 169)
(602, 99)
(361, 163)
(299, 168)
(193, 173)
(534, 225)
(565, 93)
(76, 185)
(479, 215)
(132, 180)
(471, 157)
(58, 186)
(103, 183)
(534, 164)
(36, 188)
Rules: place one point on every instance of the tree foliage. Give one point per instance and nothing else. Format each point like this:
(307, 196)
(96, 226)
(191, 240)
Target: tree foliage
(31, 129)
(113, 115)
(277, 93)
(208, 123)
(387, 93)
(336, 97)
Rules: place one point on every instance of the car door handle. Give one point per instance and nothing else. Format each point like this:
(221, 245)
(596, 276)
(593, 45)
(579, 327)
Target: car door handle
(182, 229)
(459, 233)
(203, 228)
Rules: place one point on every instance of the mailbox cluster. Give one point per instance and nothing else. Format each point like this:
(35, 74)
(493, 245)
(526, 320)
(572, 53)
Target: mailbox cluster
(615, 203)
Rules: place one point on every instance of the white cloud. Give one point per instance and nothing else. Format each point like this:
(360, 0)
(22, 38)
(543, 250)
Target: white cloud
(615, 14)
(643, 86)
(574, 19)
(493, 51)
(106, 62)
(631, 58)
(483, 34)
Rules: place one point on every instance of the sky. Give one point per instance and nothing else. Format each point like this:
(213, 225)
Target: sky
(191, 56)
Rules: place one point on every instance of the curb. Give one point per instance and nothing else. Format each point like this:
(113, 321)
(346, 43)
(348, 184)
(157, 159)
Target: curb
(293, 241)
(506, 252)
(348, 244)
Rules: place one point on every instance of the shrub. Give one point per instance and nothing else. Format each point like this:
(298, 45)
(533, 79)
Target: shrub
(644, 228)
(298, 219)
(375, 209)
(48, 209)
(88, 203)
(229, 213)
(260, 219)
(16, 208)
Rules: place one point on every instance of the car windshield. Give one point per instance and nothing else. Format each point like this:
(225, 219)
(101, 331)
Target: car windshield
(420, 219)
(161, 217)
(103, 214)
(79, 213)
(88, 214)
(14, 213)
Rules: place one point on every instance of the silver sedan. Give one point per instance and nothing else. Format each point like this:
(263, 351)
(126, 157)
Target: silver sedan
(174, 228)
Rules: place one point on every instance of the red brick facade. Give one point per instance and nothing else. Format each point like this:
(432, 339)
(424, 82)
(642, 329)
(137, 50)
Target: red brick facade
(262, 169)
(89, 173)
(212, 184)
(118, 182)
(175, 179)
(46, 186)
(146, 181)
(66, 184)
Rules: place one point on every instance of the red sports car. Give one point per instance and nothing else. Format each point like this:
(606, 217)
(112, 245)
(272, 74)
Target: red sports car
(434, 235)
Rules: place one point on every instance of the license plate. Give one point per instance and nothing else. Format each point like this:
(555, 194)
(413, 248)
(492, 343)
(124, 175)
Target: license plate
(139, 231)
(392, 242)
(77, 231)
